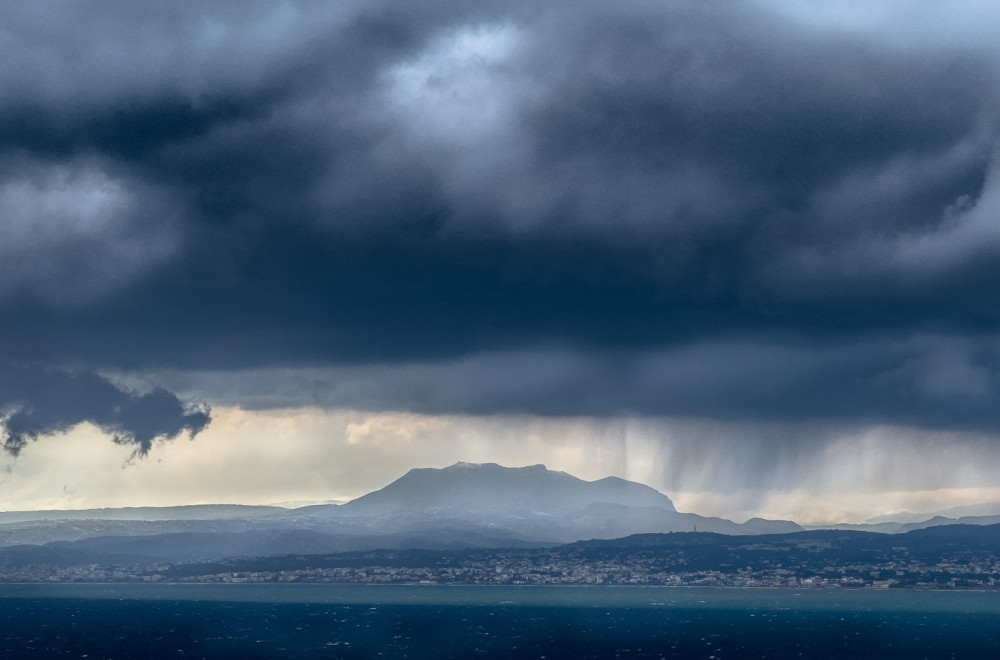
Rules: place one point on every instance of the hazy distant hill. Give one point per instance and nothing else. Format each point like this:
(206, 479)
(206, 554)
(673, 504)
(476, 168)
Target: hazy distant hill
(952, 513)
(464, 505)
(207, 546)
(822, 546)
(895, 527)
(191, 512)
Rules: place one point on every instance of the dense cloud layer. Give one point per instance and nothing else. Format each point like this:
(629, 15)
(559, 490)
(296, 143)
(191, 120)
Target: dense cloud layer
(36, 402)
(669, 208)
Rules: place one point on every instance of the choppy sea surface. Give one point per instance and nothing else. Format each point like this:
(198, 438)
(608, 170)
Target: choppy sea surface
(360, 621)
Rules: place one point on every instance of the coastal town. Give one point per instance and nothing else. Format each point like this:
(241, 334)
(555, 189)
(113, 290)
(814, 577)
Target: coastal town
(776, 564)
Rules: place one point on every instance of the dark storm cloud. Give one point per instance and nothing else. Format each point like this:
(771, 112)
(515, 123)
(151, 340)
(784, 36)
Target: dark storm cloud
(36, 402)
(932, 381)
(397, 189)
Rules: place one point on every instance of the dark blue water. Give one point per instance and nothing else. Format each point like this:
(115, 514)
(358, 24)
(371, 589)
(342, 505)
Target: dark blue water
(320, 621)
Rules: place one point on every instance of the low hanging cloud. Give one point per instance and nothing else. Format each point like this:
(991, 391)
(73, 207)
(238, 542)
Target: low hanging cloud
(38, 402)
(929, 381)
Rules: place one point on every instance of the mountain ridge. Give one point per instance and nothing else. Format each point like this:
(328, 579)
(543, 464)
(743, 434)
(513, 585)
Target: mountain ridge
(531, 502)
(465, 505)
(478, 485)
(481, 502)
(541, 505)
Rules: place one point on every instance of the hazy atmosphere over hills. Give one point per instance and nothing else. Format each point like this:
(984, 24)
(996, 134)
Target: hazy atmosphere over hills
(486, 524)
(748, 254)
(465, 505)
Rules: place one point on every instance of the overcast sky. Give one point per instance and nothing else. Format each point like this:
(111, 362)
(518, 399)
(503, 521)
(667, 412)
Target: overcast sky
(746, 252)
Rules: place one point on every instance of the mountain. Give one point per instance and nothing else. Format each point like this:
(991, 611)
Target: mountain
(464, 505)
(532, 503)
(489, 488)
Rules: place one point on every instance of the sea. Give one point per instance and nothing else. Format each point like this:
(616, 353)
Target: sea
(96, 621)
